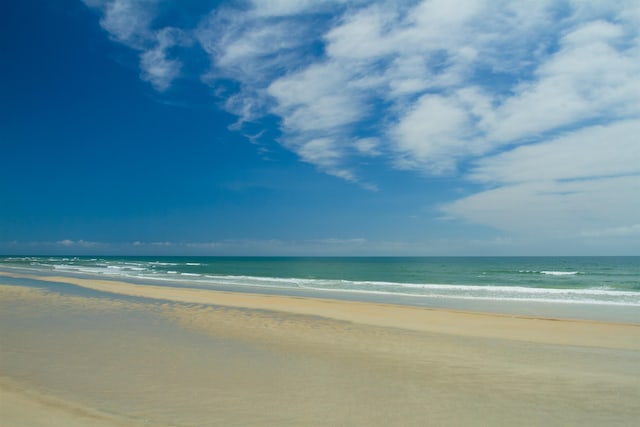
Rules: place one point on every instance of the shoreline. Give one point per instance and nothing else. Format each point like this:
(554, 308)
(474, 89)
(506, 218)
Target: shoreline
(611, 313)
(544, 330)
(184, 357)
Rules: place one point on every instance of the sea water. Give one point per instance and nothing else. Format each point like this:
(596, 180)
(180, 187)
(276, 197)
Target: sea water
(606, 281)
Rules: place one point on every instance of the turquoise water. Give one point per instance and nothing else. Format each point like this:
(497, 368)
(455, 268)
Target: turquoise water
(584, 280)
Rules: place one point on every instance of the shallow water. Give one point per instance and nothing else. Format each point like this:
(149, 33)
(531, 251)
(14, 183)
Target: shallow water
(578, 280)
(193, 365)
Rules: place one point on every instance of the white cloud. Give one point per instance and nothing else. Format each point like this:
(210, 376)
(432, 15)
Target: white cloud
(129, 22)
(444, 81)
(321, 151)
(553, 209)
(156, 66)
(308, 101)
(537, 100)
(448, 81)
(585, 180)
(597, 151)
(68, 243)
(362, 35)
(126, 21)
(589, 77)
(326, 154)
(242, 43)
(433, 132)
(252, 47)
(368, 146)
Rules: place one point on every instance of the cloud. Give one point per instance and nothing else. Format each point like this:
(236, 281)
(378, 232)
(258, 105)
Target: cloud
(130, 22)
(156, 66)
(433, 133)
(552, 209)
(368, 146)
(590, 152)
(68, 243)
(252, 47)
(503, 94)
(126, 21)
(435, 82)
(319, 151)
(428, 70)
(567, 186)
(592, 76)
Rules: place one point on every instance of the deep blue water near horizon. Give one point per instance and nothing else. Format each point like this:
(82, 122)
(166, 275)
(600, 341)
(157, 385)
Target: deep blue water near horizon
(586, 280)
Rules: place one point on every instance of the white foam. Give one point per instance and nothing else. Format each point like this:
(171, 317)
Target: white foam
(497, 293)
(491, 298)
(559, 273)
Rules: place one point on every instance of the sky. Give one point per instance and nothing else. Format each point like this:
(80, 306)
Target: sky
(320, 127)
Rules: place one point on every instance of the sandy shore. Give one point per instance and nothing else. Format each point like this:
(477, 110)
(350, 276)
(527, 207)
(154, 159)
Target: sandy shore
(191, 357)
(23, 407)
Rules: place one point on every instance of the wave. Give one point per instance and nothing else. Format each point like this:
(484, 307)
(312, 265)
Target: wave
(511, 290)
(559, 273)
(522, 298)
(602, 295)
(550, 273)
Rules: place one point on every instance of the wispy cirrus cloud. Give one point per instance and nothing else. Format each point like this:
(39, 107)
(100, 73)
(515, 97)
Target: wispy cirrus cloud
(130, 22)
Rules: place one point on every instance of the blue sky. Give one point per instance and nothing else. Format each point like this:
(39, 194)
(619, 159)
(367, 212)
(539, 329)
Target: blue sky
(322, 127)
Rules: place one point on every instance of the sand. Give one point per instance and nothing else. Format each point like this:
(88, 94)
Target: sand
(196, 358)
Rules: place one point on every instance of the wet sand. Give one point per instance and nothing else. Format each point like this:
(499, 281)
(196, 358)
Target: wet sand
(198, 358)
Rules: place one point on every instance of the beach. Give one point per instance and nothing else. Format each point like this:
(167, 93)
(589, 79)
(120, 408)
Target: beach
(125, 355)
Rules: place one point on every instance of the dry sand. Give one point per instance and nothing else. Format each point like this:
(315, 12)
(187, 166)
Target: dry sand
(199, 358)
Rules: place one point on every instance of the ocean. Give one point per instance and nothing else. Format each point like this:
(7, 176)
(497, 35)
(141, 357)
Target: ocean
(597, 281)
